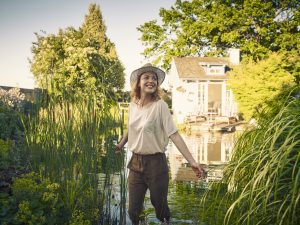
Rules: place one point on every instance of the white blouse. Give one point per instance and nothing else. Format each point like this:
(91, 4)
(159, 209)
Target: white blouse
(149, 127)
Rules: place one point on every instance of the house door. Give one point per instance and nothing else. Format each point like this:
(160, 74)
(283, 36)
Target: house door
(214, 98)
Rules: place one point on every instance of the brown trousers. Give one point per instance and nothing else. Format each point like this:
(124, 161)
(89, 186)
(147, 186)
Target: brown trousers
(148, 171)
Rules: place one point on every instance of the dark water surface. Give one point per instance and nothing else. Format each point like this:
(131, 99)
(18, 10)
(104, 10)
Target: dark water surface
(213, 150)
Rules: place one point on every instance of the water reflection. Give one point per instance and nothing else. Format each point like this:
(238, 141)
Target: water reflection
(213, 150)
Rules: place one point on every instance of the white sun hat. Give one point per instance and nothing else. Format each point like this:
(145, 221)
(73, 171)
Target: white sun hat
(148, 68)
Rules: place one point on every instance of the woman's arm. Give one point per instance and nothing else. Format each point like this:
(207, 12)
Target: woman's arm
(122, 142)
(182, 147)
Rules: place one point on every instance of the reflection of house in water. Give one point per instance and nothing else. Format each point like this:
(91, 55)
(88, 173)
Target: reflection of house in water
(212, 149)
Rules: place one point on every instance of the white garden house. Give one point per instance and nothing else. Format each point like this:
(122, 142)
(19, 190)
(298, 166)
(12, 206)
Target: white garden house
(198, 86)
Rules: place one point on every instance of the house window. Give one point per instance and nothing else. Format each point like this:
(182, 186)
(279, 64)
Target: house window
(191, 81)
(190, 96)
(216, 70)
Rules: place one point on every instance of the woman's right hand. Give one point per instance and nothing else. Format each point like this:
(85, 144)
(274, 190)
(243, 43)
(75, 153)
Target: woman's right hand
(118, 148)
(121, 143)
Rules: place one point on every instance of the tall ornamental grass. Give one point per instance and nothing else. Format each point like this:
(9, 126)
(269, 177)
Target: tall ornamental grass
(261, 185)
(72, 144)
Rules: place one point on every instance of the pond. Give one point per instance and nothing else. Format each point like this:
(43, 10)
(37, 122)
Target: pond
(213, 150)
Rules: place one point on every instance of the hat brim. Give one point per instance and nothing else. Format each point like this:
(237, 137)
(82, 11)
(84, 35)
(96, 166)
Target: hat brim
(138, 72)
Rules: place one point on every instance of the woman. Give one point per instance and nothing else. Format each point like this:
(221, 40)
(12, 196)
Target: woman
(150, 125)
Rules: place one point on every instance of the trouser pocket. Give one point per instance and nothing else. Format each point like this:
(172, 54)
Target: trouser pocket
(135, 163)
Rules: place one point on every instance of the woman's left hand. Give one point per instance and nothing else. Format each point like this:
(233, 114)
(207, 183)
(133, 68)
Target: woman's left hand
(198, 169)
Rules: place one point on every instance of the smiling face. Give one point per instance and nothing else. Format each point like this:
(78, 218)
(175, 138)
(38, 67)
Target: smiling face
(148, 83)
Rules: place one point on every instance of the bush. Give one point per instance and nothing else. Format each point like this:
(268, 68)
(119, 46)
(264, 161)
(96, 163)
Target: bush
(34, 201)
(4, 154)
(78, 219)
(10, 123)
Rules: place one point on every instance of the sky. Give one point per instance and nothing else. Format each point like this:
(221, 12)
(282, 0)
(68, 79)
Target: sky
(20, 19)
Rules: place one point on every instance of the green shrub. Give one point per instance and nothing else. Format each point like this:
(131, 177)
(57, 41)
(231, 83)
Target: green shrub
(4, 154)
(33, 201)
(78, 219)
(10, 123)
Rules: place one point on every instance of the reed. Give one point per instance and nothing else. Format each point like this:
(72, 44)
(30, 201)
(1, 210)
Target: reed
(72, 144)
(261, 184)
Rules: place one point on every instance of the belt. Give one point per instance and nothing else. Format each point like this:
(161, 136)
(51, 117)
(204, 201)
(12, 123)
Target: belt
(146, 155)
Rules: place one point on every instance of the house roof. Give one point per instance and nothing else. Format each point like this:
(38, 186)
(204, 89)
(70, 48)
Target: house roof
(192, 67)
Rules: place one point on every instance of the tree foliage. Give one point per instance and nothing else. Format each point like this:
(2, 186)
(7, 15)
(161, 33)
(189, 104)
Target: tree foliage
(255, 83)
(77, 62)
(210, 27)
(12, 103)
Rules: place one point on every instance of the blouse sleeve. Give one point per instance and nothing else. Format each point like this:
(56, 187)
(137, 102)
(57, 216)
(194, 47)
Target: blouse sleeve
(128, 115)
(167, 120)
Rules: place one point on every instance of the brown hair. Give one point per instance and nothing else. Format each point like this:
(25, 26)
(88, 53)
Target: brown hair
(135, 92)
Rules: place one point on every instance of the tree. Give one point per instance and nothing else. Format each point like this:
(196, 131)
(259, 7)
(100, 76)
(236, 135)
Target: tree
(210, 27)
(167, 97)
(79, 62)
(255, 83)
